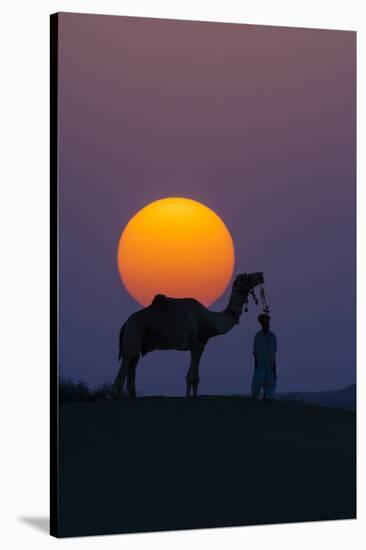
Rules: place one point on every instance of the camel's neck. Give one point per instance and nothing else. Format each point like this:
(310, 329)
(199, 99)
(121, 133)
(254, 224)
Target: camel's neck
(225, 320)
(236, 302)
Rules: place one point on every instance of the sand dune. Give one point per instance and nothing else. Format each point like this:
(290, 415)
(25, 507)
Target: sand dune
(160, 463)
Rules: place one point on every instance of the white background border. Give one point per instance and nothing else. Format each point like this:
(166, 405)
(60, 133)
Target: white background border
(24, 246)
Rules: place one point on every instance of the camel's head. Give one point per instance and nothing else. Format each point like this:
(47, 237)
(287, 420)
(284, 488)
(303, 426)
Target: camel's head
(244, 282)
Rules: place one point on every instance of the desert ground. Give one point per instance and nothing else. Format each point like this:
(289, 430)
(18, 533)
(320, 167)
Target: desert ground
(167, 463)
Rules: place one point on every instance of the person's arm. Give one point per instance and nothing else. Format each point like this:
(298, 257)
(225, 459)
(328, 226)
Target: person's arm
(275, 368)
(255, 360)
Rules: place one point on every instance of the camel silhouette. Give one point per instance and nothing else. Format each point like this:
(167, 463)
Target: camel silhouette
(182, 324)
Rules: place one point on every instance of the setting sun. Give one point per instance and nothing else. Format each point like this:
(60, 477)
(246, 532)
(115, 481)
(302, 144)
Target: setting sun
(178, 247)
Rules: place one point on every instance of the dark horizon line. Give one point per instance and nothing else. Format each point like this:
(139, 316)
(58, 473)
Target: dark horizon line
(95, 387)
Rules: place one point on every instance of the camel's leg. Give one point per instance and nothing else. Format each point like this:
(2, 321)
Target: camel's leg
(189, 377)
(119, 381)
(193, 377)
(197, 354)
(131, 375)
(123, 372)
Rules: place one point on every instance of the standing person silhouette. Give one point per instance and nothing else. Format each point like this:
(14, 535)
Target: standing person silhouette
(264, 351)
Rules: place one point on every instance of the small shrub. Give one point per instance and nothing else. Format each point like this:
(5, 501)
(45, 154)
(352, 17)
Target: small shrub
(102, 393)
(70, 391)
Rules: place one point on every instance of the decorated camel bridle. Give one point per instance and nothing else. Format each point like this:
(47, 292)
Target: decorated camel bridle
(255, 300)
(236, 299)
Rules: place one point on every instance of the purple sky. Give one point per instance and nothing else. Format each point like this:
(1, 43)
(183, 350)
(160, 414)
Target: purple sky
(256, 122)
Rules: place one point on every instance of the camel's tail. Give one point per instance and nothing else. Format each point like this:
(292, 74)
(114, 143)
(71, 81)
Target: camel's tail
(120, 352)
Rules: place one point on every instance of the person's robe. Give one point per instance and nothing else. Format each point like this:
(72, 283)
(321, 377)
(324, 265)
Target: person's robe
(265, 348)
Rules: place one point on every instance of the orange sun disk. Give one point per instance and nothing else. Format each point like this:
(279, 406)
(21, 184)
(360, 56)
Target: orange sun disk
(178, 247)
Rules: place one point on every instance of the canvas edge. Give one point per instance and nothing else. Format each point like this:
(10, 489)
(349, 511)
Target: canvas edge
(54, 264)
(54, 406)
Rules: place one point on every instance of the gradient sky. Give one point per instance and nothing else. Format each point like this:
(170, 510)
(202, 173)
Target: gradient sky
(256, 122)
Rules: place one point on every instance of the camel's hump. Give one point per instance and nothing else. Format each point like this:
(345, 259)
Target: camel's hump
(160, 299)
